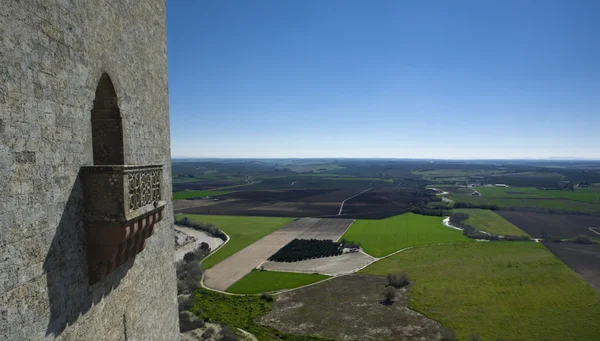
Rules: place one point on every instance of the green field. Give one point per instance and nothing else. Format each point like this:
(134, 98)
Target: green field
(582, 200)
(508, 290)
(264, 281)
(197, 194)
(239, 312)
(382, 237)
(582, 194)
(242, 232)
(490, 222)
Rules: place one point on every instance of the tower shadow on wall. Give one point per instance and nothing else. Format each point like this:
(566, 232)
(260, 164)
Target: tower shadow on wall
(70, 295)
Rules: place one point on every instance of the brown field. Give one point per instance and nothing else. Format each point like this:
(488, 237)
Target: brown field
(583, 258)
(555, 225)
(349, 308)
(204, 185)
(346, 263)
(232, 269)
(377, 203)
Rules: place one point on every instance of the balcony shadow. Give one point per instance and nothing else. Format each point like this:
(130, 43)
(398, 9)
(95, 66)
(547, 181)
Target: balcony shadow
(70, 295)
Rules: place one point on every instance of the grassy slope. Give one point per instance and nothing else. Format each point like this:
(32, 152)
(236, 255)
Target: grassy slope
(382, 237)
(264, 281)
(242, 232)
(196, 194)
(490, 222)
(476, 288)
(239, 312)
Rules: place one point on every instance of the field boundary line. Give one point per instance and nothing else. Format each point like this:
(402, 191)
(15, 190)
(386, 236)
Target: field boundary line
(343, 202)
(215, 251)
(346, 230)
(596, 232)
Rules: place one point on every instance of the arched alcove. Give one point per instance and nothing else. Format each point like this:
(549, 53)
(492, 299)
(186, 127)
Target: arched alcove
(107, 128)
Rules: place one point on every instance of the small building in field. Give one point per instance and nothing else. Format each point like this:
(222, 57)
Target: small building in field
(501, 185)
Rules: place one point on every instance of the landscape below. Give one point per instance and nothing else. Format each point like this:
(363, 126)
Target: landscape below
(499, 289)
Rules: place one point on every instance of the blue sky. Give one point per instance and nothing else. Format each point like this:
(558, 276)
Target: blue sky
(406, 79)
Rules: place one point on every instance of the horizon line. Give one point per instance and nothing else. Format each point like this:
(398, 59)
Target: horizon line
(557, 158)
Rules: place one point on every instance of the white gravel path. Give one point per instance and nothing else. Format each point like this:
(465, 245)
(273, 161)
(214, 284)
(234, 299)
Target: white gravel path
(200, 236)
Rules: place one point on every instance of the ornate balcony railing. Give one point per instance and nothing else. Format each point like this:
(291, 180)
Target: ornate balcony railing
(122, 204)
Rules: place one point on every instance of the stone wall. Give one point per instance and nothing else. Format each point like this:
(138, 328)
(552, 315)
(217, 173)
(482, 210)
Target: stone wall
(52, 55)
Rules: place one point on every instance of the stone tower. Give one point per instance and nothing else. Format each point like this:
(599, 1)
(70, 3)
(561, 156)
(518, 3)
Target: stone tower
(86, 239)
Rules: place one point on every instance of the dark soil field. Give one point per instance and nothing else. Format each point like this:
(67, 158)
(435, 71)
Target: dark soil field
(378, 203)
(350, 308)
(583, 258)
(555, 225)
(381, 202)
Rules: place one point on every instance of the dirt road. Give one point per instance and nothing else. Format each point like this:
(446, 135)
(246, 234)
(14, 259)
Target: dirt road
(343, 202)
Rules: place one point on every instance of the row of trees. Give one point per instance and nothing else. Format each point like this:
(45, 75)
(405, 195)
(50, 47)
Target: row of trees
(430, 211)
(208, 228)
(302, 249)
(491, 207)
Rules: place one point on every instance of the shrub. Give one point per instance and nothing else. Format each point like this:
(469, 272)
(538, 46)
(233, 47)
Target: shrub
(267, 297)
(208, 228)
(189, 274)
(208, 333)
(430, 211)
(349, 244)
(474, 337)
(448, 335)
(583, 239)
(389, 294)
(517, 238)
(458, 218)
(398, 280)
(225, 334)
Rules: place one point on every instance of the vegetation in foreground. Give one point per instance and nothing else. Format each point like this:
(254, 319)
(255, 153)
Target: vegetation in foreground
(490, 222)
(242, 232)
(265, 281)
(379, 238)
(240, 312)
(522, 291)
(197, 194)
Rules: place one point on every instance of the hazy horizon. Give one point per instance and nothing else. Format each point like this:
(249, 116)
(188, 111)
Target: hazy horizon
(385, 79)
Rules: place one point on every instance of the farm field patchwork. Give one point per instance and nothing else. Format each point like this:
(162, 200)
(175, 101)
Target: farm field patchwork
(534, 193)
(376, 203)
(379, 238)
(257, 282)
(583, 258)
(239, 264)
(242, 232)
(490, 222)
(522, 290)
(332, 266)
(555, 225)
(197, 194)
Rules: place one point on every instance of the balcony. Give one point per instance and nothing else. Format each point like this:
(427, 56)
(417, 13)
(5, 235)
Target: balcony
(122, 205)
